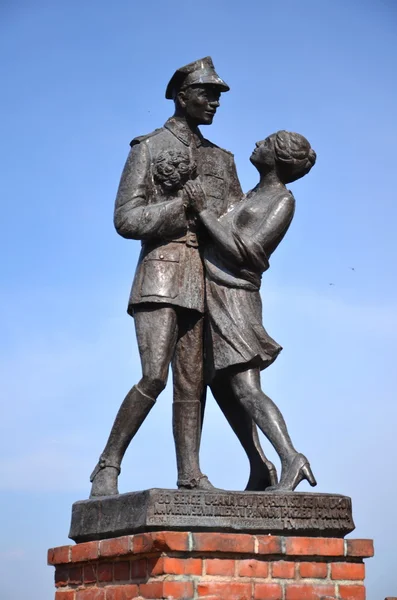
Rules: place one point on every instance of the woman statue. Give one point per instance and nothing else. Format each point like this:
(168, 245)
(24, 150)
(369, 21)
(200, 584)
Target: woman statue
(242, 241)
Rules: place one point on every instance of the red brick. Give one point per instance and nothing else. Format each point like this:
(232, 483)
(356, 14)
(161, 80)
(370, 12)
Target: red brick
(223, 542)
(139, 568)
(352, 592)
(220, 566)
(193, 566)
(115, 546)
(58, 556)
(160, 541)
(178, 589)
(165, 565)
(268, 591)
(269, 544)
(105, 572)
(61, 576)
(75, 575)
(308, 591)
(64, 595)
(176, 566)
(91, 594)
(122, 571)
(253, 568)
(283, 569)
(347, 571)
(227, 591)
(89, 573)
(122, 592)
(151, 590)
(361, 548)
(314, 570)
(303, 546)
(87, 551)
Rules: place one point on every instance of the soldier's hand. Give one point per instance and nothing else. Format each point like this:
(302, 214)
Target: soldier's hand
(196, 195)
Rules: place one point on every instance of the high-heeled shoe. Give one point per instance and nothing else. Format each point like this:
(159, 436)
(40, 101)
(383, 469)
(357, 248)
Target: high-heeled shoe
(291, 477)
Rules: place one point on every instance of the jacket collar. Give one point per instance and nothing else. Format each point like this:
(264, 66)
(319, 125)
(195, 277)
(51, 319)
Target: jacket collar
(182, 131)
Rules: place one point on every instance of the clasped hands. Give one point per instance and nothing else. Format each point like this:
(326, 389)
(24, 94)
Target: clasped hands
(195, 196)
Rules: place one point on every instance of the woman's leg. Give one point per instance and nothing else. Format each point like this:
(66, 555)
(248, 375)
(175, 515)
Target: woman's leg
(262, 471)
(246, 386)
(295, 466)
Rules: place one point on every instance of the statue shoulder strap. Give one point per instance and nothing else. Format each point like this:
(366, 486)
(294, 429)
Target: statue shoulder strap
(142, 138)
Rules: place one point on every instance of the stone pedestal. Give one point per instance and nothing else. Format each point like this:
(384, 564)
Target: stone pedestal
(187, 565)
(286, 513)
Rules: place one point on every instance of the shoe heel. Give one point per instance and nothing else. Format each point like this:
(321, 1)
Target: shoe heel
(308, 474)
(273, 475)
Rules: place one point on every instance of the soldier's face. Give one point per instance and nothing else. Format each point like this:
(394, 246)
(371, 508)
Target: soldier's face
(200, 102)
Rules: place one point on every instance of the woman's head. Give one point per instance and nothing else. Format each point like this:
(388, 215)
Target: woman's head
(289, 154)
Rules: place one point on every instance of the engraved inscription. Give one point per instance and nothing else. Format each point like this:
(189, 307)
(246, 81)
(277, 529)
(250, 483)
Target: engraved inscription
(288, 511)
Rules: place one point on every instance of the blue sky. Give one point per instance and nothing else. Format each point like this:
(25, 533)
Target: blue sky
(80, 79)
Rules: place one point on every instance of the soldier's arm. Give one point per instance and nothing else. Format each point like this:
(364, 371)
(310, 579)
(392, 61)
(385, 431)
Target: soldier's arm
(134, 217)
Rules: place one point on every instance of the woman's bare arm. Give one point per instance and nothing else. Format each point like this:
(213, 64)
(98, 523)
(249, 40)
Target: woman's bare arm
(220, 232)
(222, 236)
(271, 231)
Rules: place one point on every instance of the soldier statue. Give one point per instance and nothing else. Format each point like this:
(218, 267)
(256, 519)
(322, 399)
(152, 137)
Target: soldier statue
(167, 298)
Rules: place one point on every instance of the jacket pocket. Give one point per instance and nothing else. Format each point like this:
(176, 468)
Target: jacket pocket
(214, 185)
(161, 273)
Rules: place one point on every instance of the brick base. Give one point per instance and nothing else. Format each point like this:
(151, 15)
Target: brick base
(209, 566)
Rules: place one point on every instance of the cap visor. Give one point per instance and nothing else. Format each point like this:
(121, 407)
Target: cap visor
(210, 80)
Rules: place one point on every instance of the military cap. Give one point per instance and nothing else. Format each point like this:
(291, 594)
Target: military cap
(199, 71)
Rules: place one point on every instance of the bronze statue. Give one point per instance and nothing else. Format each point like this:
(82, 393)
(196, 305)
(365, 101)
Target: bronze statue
(196, 304)
(243, 239)
(168, 294)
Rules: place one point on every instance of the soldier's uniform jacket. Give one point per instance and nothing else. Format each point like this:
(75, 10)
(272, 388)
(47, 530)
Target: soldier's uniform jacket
(170, 268)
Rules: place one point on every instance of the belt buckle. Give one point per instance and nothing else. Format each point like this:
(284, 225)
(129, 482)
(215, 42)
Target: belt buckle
(191, 239)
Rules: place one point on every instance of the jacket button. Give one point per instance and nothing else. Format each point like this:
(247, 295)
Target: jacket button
(161, 256)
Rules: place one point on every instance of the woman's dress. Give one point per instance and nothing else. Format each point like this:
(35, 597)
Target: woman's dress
(235, 333)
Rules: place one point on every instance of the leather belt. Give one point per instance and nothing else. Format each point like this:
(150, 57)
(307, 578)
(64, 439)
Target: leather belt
(190, 239)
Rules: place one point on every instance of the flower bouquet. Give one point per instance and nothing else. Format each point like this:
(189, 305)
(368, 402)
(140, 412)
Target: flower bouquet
(173, 168)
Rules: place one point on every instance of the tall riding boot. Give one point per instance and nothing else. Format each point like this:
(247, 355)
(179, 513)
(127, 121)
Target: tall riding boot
(186, 424)
(130, 417)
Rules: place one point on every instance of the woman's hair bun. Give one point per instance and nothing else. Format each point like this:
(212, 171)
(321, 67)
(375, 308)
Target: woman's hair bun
(312, 156)
(294, 155)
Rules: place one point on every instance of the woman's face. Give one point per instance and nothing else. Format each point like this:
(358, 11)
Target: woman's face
(263, 154)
